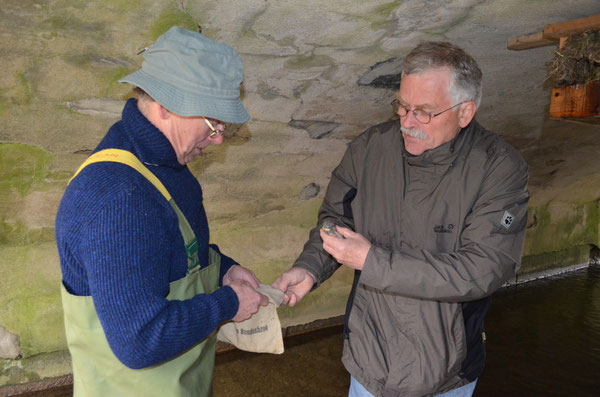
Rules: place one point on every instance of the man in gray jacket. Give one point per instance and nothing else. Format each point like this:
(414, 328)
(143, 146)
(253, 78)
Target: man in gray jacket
(432, 212)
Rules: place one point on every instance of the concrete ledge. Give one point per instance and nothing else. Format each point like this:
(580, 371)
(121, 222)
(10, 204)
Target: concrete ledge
(62, 386)
(50, 387)
(547, 273)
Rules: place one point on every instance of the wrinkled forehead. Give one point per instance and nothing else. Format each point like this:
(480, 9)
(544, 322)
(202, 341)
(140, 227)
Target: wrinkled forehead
(429, 88)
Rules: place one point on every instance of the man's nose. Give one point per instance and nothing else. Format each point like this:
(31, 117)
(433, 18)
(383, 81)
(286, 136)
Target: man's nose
(217, 140)
(409, 121)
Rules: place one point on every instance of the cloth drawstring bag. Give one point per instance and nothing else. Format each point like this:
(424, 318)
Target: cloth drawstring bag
(261, 333)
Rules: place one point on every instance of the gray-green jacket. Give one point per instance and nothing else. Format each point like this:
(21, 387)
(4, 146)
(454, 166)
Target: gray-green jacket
(447, 229)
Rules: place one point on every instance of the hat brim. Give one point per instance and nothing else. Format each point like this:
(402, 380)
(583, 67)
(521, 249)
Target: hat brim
(187, 103)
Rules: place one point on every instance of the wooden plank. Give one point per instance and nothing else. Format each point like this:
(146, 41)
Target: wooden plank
(567, 28)
(575, 101)
(526, 42)
(580, 120)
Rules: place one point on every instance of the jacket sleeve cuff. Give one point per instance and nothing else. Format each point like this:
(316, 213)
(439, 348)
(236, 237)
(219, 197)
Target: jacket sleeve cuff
(313, 272)
(373, 272)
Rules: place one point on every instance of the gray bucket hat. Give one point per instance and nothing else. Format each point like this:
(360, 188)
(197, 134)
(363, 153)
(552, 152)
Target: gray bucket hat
(192, 75)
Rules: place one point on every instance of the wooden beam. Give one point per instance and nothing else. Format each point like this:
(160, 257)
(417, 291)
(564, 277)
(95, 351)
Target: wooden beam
(526, 42)
(552, 33)
(557, 30)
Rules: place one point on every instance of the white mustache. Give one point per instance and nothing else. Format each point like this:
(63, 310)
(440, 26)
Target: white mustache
(415, 133)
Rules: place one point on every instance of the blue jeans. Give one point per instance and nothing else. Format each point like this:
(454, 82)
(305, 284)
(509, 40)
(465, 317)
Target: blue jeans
(357, 390)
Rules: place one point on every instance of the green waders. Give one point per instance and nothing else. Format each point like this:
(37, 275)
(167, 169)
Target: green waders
(96, 370)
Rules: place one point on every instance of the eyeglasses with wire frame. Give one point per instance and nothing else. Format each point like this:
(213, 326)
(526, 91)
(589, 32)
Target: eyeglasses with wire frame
(215, 133)
(421, 116)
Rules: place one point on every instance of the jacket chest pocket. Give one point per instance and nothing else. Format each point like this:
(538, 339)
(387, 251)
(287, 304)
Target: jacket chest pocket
(442, 228)
(446, 235)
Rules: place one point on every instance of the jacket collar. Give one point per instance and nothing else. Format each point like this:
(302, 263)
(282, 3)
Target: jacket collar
(444, 155)
(151, 145)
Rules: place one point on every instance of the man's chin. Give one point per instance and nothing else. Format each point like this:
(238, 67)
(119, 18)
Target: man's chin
(415, 149)
(188, 158)
(413, 145)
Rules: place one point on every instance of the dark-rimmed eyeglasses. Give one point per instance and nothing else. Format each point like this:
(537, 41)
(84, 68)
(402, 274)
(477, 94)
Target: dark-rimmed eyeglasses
(421, 116)
(215, 133)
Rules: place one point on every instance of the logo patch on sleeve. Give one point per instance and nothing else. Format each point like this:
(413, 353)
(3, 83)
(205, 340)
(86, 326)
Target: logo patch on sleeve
(507, 219)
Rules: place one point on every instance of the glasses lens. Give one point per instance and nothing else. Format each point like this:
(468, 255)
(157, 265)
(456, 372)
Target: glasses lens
(210, 124)
(422, 116)
(399, 109)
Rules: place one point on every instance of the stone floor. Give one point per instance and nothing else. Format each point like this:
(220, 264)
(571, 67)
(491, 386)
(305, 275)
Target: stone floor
(310, 366)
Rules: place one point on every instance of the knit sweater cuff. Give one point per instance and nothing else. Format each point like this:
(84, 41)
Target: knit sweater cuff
(228, 302)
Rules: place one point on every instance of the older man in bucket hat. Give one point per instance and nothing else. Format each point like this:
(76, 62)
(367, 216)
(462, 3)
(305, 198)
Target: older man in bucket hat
(143, 290)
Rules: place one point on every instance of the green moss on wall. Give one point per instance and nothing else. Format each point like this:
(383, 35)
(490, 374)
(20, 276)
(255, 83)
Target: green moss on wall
(107, 79)
(69, 24)
(387, 8)
(21, 93)
(110, 80)
(26, 88)
(3, 103)
(30, 284)
(21, 167)
(124, 5)
(15, 374)
(558, 226)
(381, 16)
(59, 22)
(554, 260)
(170, 18)
(16, 233)
(49, 365)
(297, 214)
(28, 281)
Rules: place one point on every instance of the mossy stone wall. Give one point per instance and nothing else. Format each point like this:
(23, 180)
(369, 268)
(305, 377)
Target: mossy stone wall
(313, 69)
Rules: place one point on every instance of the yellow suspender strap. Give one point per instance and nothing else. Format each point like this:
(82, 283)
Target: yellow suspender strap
(127, 158)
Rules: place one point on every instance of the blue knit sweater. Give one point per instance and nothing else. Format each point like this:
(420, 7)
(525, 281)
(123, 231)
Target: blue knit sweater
(119, 241)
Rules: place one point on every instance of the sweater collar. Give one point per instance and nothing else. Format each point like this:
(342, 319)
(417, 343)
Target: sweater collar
(151, 145)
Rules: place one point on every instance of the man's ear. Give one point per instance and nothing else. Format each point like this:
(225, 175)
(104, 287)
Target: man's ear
(466, 113)
(163, 112)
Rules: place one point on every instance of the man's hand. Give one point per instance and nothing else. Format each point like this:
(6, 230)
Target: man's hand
(237, 272)
(350, 251)
(295, 283)
(249, 300)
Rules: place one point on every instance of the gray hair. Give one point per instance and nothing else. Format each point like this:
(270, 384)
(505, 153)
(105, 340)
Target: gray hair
(141, 94)
(465, 75)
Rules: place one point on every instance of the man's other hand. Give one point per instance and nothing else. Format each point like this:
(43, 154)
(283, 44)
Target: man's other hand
(350, 251)
(295, 283)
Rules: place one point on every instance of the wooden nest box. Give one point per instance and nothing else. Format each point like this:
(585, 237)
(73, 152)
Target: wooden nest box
(581, 100)
(577, 101)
